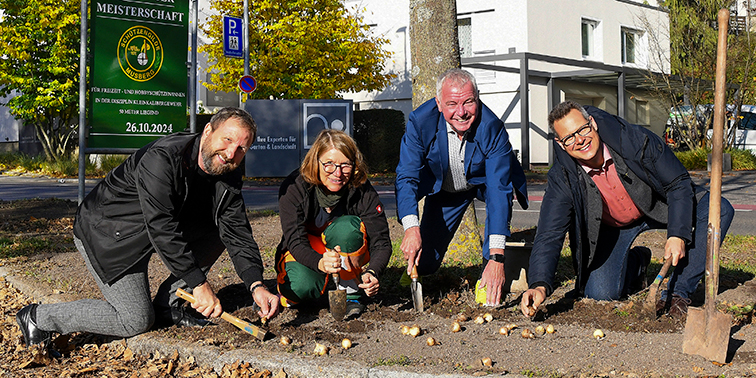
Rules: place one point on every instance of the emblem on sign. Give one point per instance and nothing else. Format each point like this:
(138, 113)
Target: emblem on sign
(140, 53)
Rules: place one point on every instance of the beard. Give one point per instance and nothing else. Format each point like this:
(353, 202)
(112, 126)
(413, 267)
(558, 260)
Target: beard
(212, 166)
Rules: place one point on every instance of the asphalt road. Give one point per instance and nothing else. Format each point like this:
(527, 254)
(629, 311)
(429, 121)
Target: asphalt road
(738, 187)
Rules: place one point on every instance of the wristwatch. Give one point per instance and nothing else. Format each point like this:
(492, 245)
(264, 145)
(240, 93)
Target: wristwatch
(498, 257)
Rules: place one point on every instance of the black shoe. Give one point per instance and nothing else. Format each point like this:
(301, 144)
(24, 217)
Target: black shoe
(677, 306)
(182, 317)
(32, 334)
(640, 282)
(353, 309)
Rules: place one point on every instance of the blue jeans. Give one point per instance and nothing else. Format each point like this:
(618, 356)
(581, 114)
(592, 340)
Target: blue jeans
(609, 273)
(442, 215)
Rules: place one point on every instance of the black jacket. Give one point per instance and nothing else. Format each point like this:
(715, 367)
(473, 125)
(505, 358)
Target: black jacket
(140, 208)
(657, 182)
(297, 204)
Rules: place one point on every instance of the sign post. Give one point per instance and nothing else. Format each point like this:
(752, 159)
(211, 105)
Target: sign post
(233, 46)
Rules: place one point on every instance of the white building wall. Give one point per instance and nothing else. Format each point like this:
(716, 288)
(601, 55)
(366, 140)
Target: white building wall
(389, 19)
(9, 127)
(549, 27)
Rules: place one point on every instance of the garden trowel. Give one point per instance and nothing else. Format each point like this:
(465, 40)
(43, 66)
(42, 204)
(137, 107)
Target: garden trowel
(417, 290)
(337, 299)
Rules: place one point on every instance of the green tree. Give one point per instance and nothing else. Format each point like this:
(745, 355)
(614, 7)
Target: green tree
(39, 68)
(298, 49)
(692, 61)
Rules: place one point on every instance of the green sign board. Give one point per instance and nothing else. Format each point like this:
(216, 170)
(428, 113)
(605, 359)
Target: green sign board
(138, 74)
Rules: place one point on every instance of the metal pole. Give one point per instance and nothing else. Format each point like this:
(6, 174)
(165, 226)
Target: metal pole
(621, 96)
(524, 115)
(245, 36)
(82, 100)
(193, 70)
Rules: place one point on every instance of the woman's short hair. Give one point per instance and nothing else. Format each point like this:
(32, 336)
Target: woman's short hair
(327, 140)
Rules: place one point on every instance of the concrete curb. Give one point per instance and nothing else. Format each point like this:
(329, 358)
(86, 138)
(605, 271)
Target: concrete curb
(306, 366)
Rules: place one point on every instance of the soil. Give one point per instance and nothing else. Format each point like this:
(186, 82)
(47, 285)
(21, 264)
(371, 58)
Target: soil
(635, 344)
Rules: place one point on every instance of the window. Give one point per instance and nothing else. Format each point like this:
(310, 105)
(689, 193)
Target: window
(630, 39)
(464, 34)
(748, 122)
(587, 33)
(642, 116)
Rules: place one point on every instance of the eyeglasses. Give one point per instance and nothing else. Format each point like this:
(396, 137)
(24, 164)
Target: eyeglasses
(584, 130)
(330, 167)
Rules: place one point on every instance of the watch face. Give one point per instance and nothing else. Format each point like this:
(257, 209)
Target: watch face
(497, 257)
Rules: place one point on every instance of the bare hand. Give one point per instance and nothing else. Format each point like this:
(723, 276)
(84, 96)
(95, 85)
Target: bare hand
(412, 247)
(268, 302)
(531, 299)
(493, 279)
(206, 302)
(369, 284)
(675, 248)
(331, 261)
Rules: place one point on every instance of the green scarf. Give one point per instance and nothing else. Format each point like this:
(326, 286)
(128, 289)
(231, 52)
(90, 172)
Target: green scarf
(328, 199)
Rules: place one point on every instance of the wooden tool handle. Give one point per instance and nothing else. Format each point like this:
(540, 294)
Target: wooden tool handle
(715, 182)
(662, 273)
(185, 296)
(241, 324)
(414, 274)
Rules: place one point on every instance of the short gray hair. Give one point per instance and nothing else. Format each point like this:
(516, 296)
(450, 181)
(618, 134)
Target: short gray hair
(457, 76)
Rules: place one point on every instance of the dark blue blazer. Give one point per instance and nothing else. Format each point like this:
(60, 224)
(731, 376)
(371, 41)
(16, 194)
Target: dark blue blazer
(650, 166)
(490, 164)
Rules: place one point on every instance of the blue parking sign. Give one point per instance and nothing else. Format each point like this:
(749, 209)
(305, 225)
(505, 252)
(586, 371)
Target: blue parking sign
(233, 41)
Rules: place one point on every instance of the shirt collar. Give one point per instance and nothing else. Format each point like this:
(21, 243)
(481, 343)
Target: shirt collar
(607, 160)
(450, 130)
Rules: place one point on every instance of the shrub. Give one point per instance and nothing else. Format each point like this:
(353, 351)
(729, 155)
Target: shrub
(697, 159)
(742, 160)
(378, 133)
(109, 162)
(693, 159)
(62, 167)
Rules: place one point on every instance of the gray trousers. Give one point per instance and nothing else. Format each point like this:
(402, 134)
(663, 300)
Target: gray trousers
(127, 309)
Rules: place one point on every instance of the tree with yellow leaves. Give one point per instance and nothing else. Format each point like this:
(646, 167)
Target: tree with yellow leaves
(39, 69)
(298, 49)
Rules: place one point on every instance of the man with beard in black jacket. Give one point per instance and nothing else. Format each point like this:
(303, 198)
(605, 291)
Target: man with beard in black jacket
(179, 197)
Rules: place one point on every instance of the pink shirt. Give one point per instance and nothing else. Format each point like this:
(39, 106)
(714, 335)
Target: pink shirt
(619, 209)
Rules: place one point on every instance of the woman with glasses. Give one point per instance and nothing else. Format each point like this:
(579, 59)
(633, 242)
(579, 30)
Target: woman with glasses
(332, 222)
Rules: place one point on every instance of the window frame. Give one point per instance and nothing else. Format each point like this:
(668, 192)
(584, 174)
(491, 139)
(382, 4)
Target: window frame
(636, 41)
(590, 44)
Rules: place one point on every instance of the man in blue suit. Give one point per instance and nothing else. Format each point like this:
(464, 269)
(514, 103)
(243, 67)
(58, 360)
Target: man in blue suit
(454, 150)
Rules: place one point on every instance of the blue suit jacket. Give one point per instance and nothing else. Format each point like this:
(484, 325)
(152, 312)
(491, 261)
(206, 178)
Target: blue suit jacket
(490, 164)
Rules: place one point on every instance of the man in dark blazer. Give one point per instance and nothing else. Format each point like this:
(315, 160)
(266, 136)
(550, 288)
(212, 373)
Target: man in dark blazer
(610, 181)
(454, 150)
